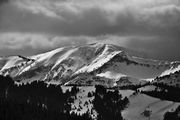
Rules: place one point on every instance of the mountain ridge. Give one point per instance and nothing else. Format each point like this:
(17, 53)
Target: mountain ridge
(61, 64)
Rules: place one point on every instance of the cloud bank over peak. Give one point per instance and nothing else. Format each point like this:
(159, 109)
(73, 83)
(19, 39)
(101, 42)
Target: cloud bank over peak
(145, 22)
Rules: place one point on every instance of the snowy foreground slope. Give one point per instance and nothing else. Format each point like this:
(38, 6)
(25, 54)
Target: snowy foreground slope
(141, 102)
(86, 65)
(138, 103)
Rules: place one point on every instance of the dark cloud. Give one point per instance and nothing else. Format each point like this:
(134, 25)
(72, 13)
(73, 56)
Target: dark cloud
(93, 21)
(3, 1)
(151, 26)
(29, 44)
(164, 48)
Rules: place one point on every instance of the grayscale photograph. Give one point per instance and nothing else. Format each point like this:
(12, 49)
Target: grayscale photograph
(89, 59)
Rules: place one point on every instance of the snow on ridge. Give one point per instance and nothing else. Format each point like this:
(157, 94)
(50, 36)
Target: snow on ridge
(99, 61)
(64, 56)
(10, 63)
(40, 58)
(47, 55)
(107, 52)
(172, 70)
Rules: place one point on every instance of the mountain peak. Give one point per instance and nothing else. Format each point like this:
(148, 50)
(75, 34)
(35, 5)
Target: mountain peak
(91, 59)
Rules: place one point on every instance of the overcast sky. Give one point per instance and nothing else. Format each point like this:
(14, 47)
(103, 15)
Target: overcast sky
(32, 26)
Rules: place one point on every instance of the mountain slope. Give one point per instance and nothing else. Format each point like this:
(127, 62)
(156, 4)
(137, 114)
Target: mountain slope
(171, 76)
(98, 63)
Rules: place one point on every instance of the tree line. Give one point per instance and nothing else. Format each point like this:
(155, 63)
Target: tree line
(39, 101)
(165, 92)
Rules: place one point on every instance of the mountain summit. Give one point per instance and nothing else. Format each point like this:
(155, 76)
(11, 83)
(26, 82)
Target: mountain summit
(85, 65)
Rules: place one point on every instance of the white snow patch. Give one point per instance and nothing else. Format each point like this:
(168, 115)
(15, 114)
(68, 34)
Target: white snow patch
(139, 103)
(111, 75)
(170, 71)
(148, 79)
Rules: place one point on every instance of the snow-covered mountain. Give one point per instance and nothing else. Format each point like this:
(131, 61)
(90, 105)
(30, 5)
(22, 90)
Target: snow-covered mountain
(85, 65)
